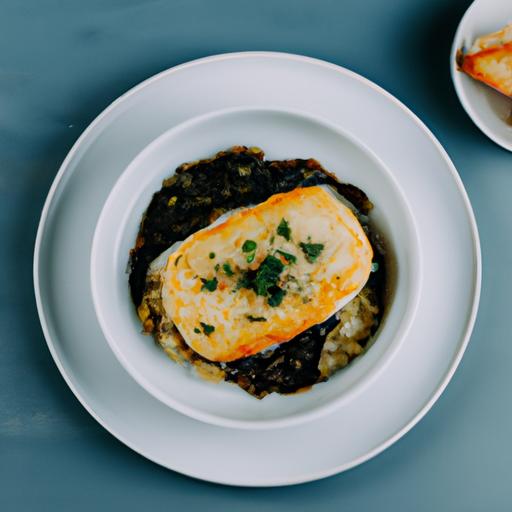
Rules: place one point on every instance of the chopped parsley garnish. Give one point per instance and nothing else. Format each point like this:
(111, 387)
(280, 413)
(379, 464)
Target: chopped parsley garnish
(249, 246)
(207, 329)
(209, 284)
(267, 275)
(250, 258)
(256, 318)
(211, 255)
(264, 280)
(177, 259)
(217, 266)
(311, 251)
(284, 230)
(277, 296)
(196, 330)
(227, 269)
(244, 281)
(290, 258)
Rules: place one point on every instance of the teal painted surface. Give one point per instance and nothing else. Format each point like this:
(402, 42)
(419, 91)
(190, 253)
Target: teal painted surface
(61, 63)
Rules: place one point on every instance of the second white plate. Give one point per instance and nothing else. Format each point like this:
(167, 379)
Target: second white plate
(399, 396)
(490, 110)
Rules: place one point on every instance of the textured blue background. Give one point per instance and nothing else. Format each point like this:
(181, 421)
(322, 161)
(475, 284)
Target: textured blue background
(61, 63)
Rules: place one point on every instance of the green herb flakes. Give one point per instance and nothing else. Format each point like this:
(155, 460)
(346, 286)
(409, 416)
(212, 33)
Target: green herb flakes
(290, 258)
(211, 255)
(276, 297)
(196, 330)
(249, 246)
(209, 284)
(311, 251)
(227, 269)
(283, 229)
(267, 275)
(264, 281)
(256, 318)
(207, 329)
(244, 282)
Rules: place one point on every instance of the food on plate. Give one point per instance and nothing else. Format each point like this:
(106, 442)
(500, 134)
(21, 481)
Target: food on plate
(266, 274)
(489, 60)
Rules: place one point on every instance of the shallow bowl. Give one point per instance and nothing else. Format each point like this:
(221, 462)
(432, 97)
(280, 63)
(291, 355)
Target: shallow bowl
(281, 134)
(490, 110)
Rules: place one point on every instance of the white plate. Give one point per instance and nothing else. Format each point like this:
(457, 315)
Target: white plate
(283, 134)
(488, 109)
(398, 397)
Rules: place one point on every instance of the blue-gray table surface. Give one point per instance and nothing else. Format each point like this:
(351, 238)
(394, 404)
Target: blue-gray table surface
(61, 63)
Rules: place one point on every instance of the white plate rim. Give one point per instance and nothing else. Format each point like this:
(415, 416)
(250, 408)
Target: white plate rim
(423, 409)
